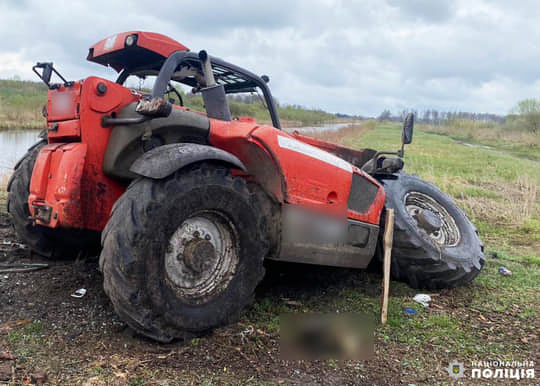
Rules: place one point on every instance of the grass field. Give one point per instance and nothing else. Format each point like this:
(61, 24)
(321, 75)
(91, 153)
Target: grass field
(493, 318)
(21, 104)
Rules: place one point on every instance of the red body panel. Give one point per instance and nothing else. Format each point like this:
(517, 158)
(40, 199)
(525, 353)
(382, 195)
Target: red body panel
(154, 42)
(69, 178)
(306, 175)
(64, 130)
(63, 103)
(314, 180)
(374, 212)
(56, 183)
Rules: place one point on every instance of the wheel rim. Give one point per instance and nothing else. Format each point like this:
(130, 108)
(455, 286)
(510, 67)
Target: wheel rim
(202, 256)
(448, 235)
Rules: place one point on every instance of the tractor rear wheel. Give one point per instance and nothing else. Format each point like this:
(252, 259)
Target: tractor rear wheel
(184, 254)
(435, 245)
(47, 242)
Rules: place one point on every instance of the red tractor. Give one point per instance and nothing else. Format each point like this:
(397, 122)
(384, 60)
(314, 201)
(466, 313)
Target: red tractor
(189, 203)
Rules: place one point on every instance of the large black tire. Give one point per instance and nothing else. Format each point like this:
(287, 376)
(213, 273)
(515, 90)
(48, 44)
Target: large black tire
(49, 243)
(160, 296)
(444, 259)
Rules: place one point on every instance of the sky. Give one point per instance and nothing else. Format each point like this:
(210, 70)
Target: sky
(356, 57)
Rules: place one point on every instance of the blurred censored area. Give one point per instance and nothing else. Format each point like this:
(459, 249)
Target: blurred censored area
(326, 336)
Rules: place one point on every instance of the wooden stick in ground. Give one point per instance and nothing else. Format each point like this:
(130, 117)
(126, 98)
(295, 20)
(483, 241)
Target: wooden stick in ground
(387, 240)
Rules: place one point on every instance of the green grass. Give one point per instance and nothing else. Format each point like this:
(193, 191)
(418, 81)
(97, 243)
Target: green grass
(21, 104)
(488, 318)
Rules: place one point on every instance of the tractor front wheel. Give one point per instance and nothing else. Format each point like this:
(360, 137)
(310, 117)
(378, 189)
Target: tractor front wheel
(184, 254)
(435, 245)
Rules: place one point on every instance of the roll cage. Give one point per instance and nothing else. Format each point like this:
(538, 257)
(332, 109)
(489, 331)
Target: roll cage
(185, 67)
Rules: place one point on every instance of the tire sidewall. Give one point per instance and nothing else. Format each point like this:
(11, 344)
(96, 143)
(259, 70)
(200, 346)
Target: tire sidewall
(465, 252)
(164, 218)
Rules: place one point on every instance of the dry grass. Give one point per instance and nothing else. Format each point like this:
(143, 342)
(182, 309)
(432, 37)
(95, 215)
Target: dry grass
(483, 132)
(21, 104)
(511, 204)
(287, 124)
(505, 203)
(20, 121)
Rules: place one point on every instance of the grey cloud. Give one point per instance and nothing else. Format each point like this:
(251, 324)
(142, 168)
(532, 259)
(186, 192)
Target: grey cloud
(355, 57)
(426, 10)
(210, 17)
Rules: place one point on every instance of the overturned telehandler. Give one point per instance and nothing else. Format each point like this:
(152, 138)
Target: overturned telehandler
(190, 203)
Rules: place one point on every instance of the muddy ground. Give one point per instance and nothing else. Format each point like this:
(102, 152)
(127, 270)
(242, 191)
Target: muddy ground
(47, 334)
(73, 340)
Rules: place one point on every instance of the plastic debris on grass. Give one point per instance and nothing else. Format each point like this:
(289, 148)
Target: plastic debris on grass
(422, 299)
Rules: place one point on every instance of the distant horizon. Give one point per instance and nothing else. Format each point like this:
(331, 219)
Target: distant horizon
(394, 114)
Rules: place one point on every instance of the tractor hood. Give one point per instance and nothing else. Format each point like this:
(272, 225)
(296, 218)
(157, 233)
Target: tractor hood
(134, 50)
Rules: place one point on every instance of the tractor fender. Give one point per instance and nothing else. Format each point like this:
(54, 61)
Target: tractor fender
(164, 160)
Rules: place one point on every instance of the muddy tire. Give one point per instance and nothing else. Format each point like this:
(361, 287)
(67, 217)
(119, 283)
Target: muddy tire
(184, 254)
(446, 255)
(49, 243)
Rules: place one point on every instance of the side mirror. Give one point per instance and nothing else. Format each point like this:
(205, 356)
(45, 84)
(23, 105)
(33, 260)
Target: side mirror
(408, 126)
(46, 74)
(47, 70)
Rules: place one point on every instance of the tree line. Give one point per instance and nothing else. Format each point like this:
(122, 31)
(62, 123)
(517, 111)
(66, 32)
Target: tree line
(434, 117)
(524, 116)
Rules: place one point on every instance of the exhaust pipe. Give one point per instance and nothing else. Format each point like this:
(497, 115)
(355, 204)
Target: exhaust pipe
(213, 94)
(207, 69)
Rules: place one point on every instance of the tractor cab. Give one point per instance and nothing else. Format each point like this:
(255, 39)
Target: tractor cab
(143, 54)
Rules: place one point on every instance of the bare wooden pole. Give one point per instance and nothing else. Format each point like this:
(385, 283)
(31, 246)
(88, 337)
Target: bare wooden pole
(387, 240)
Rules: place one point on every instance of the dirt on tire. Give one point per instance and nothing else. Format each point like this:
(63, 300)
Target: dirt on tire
(137, 238)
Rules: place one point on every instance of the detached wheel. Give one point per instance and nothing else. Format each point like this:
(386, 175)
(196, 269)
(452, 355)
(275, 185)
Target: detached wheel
(435, 245)
(184, 254)
(47, 242)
